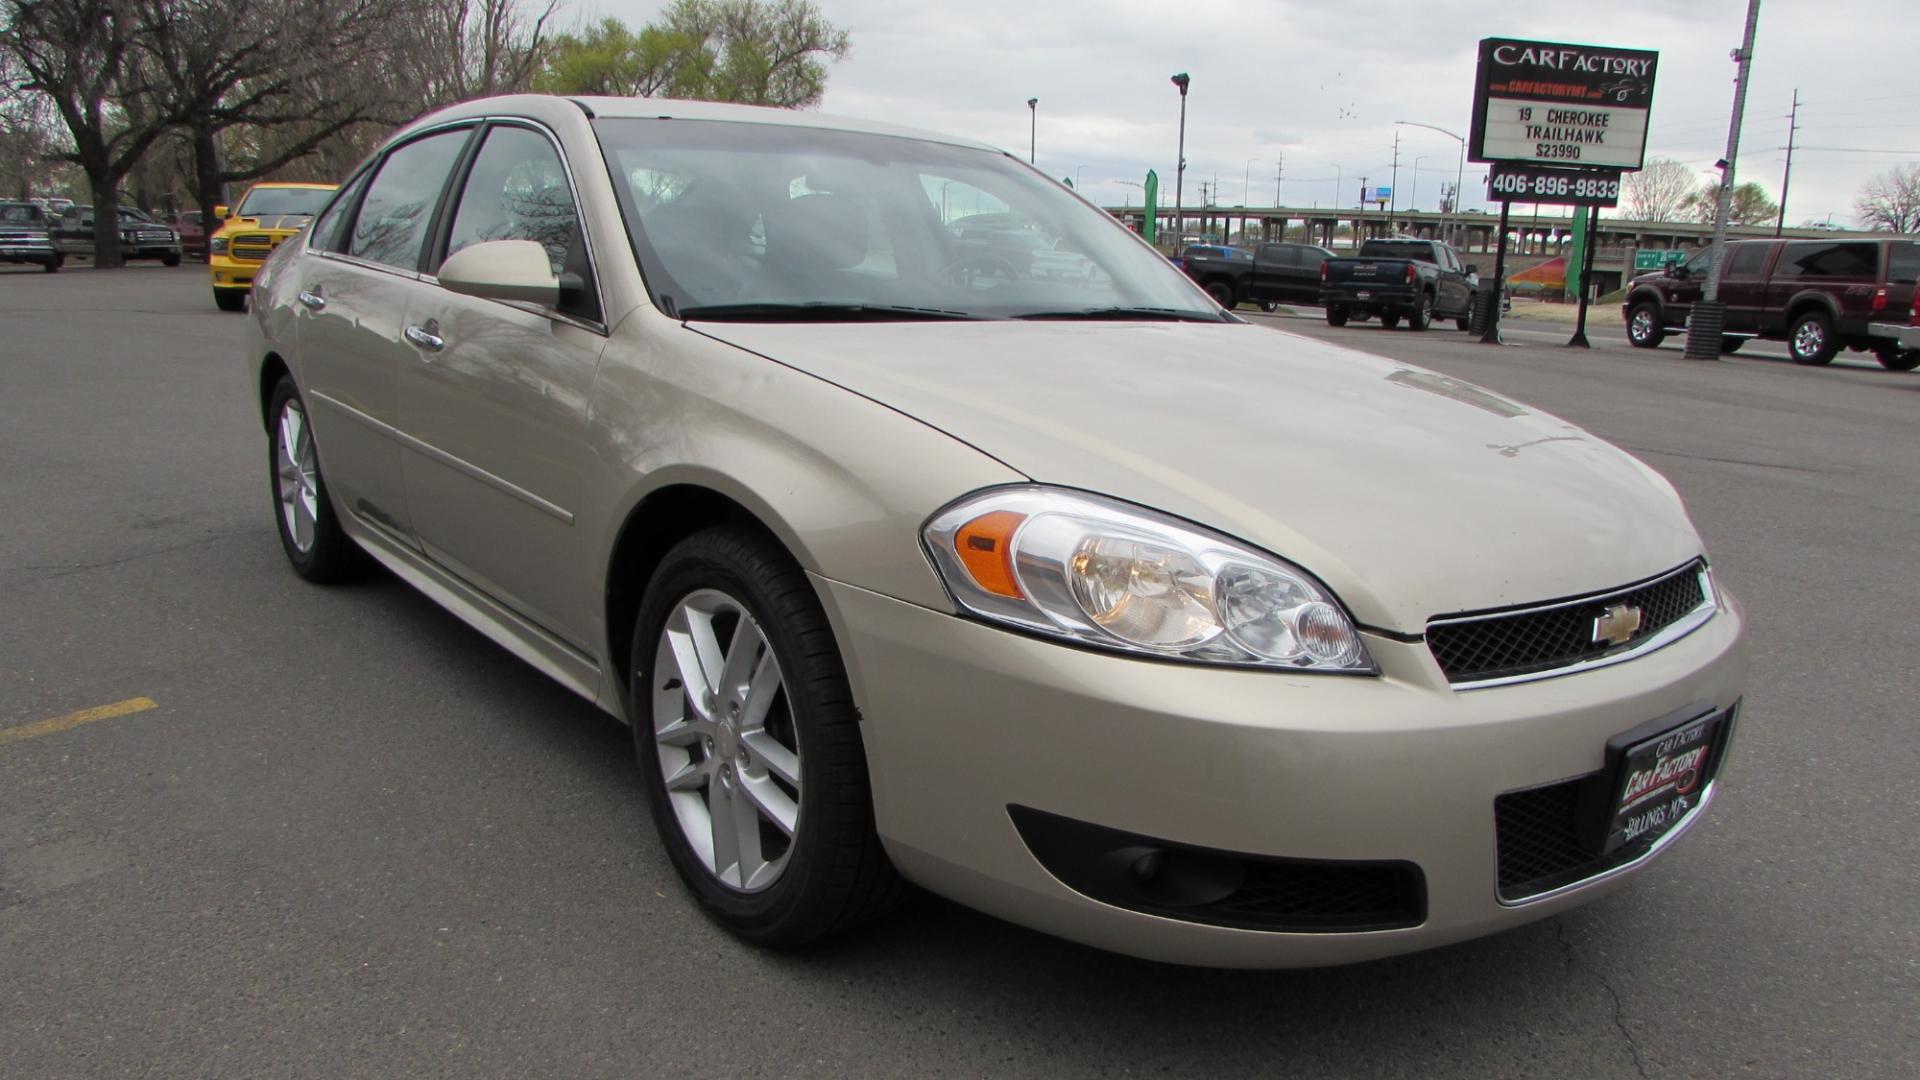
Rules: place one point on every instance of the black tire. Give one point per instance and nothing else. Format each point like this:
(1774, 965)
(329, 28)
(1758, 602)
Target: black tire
(230, 299)
(51, 266)
(1894, 358)
(1222, 294)
(1643, 325)
(1389, 320)
(1268, 306)
(1336, 315)
(1811, 340)
(1730, 345)
(1464, 322)
(170, 260)
(836, 876)
(331, 555)
(1421, 316)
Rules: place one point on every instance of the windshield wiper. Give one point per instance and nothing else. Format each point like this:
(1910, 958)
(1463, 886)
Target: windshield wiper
(1145, 313)
(820, 312)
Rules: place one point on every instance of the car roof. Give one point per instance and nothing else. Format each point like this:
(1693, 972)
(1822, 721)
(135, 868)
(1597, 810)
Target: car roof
(543, 106)
(292, 184)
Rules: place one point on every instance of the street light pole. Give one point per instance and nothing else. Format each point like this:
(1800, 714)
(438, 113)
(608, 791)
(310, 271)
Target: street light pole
(1180, 166)
(1033, 126)
(1459, 174)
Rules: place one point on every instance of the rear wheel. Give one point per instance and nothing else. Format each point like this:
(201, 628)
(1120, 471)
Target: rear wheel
(1643, 325)
(1268, 306)
(1389, 319)
(749, 744)
(1464, 323)
(51, 266)
(1730, 345)
(1421, 316)
(1336, 315)
(230, 299)
(1811, 341)
(309, 531)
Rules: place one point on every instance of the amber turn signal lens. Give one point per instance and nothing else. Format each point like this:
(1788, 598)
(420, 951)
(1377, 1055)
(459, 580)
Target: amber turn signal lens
(985, 547)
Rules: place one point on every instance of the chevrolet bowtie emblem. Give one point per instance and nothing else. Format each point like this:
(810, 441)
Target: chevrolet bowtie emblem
(1616, 625)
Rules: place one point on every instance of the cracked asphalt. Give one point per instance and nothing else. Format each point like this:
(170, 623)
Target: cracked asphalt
(353, 838)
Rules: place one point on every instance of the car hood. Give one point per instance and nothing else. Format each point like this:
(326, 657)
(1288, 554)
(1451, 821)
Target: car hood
(1410, 493)
(270, 222)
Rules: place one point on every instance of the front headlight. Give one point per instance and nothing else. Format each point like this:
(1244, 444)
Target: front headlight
(1104, 573)
(217, 245)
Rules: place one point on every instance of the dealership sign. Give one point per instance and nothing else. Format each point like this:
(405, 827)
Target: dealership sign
(1579, 106)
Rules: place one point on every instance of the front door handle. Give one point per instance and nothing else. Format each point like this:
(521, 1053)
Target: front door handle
(313, 299)
(426, 336)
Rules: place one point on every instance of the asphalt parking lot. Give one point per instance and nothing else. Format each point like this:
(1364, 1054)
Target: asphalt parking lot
(249, 827)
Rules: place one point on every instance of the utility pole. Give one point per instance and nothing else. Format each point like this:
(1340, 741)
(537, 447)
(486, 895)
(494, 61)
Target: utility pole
(1360, 218)
(1033, 126)
(1793, 126)
(1279, 170)
(1709, 316)
(1393, 189)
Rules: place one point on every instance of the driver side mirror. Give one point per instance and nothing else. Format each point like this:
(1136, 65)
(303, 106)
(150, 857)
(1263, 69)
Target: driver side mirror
(502, 270)
(221, 213)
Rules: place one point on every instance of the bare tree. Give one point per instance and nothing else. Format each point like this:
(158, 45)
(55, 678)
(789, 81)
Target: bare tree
(1658, 192)
(443, 51)
(82, 55)
(1891, 200)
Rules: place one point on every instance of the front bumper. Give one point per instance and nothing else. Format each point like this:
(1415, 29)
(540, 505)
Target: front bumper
(231, 273)
(41, 253)
(964, 721)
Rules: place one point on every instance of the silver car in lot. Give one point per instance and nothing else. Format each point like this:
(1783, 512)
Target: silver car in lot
(1081, 602)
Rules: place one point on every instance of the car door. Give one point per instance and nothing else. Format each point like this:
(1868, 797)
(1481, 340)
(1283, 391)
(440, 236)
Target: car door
(1684, 289)
(494, 399)
(1454, 297)
(355, 280)
(1743, 285)
(73, 234)
(1272, 266)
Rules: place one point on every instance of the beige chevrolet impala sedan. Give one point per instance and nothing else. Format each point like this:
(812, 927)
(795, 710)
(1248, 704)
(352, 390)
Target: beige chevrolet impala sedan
(1071, 597)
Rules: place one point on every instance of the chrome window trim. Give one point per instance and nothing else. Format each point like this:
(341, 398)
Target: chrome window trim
(1673, 833)
(1672, 632)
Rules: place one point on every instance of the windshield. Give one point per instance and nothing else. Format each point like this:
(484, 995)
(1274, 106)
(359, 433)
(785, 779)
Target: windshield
(269, 202)
(130, 214)
(756, 220)
(20, 214)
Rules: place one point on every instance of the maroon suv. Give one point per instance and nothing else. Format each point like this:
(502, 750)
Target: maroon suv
(1818, 296)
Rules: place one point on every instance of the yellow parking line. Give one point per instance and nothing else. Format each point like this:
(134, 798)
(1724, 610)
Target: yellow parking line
(74, 719)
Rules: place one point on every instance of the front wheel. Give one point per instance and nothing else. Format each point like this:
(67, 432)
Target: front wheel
(1730, 345)
(315, 544)
(1268, 306)
(750, 747)
(51, 266)
(1336, 315)
(170, 260)
(1643, 326)
(1811, 340)
(1464, 322)
(1222, 294)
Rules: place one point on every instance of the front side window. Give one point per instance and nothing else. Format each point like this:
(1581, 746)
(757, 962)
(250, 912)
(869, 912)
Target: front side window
(1699, 262)
(391, 226)
(753, 220)
(517, 190)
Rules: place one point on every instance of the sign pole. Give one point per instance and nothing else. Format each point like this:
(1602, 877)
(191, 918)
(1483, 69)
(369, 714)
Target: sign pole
(1579, 339)
(1492, 335)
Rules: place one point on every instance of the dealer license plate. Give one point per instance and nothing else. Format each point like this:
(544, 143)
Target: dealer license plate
(1659, 780)
(1364, 295)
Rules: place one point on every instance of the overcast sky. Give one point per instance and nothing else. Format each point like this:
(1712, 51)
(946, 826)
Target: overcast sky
(1320, 84)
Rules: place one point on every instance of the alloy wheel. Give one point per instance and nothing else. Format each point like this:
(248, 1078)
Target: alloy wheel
(1809, 338)
(1642, 326)
(728, 750)
(298, 476)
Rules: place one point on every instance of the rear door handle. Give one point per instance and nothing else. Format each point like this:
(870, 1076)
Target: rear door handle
(426, 336)
(313, 299)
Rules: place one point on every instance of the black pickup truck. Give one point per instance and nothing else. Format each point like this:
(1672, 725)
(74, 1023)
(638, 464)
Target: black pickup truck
(1267, 275)
(1422, 280)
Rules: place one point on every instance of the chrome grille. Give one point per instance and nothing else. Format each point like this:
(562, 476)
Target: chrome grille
(1478, 647)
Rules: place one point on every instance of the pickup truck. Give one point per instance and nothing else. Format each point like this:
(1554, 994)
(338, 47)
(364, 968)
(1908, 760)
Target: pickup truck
(1267, 275)
(1419, 279)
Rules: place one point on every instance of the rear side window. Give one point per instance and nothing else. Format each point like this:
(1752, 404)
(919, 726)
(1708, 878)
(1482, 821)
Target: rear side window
(1903, 262)
(1746, 260)
(327, 234)
(1821, 261)
(392, 224)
